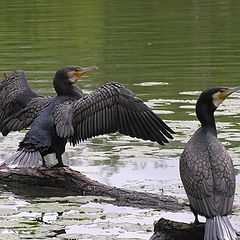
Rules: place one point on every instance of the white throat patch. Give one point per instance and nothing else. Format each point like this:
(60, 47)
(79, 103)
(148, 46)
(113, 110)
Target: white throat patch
(216, 100)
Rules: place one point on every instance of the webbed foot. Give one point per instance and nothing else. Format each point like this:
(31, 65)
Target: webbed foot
(59, 164)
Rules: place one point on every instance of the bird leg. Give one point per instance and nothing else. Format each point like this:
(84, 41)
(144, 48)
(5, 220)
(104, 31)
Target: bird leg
(43, 162)
(60, 162)
(196, 221)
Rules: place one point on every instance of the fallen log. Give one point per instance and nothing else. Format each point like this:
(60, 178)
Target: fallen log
(73, 182)
(68, 181)
(165, 229)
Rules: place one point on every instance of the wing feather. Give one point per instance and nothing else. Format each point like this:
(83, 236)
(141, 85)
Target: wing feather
(144, 129)
(112, 108)
(19, 105)
(130, 118)
(62, 116)
(15, 93)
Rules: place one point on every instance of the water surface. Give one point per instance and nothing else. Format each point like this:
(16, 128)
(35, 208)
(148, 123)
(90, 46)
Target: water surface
(166, 52)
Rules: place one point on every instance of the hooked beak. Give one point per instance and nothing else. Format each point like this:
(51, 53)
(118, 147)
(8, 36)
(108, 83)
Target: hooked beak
(226, 93)
(87, 69)
(76, 74)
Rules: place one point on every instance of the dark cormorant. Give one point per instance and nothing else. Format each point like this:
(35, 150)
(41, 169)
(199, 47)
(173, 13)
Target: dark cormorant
(71, 115)
(207, 171)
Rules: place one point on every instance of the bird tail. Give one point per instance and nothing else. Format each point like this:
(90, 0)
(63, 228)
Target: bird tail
(219, 228)
(24, 159)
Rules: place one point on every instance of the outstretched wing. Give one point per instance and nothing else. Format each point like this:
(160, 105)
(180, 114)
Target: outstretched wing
(19, 105)
(112, 108)
(23, 118)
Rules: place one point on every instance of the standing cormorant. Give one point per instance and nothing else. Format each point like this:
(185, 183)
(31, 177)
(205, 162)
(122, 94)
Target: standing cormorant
(207, 171)
(71, 115)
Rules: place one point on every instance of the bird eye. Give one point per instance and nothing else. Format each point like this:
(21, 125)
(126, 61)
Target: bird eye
(222, 90)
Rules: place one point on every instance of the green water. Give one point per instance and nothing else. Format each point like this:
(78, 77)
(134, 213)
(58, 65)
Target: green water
(164, 51)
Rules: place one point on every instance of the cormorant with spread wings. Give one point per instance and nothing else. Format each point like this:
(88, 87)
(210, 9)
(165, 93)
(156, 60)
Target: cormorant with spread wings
(71, 115)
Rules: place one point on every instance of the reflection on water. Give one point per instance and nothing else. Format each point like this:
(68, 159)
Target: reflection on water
(165, 52)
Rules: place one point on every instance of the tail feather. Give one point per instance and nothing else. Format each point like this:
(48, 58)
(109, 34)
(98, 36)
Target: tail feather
(230, 227)
(207, 231)
(219, 228)
(221, 232)
(24, 159)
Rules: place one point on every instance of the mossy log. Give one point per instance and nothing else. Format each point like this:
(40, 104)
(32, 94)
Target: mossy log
(67, 180)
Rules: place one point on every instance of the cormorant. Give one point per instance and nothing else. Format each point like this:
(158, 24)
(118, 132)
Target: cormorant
(71, 115)
(207, 171)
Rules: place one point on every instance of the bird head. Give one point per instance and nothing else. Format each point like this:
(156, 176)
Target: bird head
(71, 74)
(222, 93)
(211, 98)
(65, 78)
(208, 102)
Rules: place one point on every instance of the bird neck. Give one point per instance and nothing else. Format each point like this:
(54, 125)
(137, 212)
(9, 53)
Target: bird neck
(205, 115)
(64, 89)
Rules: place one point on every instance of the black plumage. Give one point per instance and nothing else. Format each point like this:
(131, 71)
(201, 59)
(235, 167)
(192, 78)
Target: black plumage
(71, 115)
(19, 105)
(207, 171)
